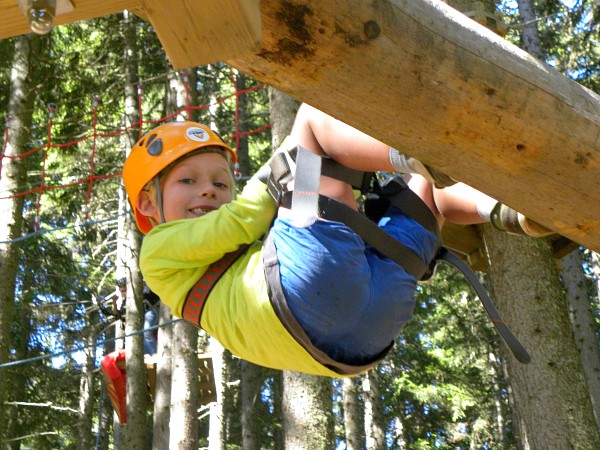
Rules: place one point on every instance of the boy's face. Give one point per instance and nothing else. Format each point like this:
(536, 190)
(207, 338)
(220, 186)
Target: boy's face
(197, 185)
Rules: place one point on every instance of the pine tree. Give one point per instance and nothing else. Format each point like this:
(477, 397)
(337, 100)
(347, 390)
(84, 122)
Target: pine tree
(20, 110)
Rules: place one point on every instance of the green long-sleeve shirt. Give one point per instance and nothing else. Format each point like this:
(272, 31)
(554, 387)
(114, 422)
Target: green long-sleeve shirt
(238, 312)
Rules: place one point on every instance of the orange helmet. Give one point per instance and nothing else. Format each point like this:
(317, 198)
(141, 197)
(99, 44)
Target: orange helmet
(157, 150)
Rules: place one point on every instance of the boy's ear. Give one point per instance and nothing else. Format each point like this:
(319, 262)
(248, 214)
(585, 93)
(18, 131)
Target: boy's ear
(145, 204)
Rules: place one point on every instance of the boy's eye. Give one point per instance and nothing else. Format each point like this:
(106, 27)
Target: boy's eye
(186, 181)
(221, 185)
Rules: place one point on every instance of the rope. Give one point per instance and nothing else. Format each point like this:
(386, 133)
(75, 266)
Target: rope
(92, 158)
(52, 230)
(84, 347)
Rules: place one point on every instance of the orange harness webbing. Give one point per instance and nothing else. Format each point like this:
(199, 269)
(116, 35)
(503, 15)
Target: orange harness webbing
(196, 298)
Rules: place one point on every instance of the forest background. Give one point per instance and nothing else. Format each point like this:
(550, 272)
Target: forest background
(75, 102)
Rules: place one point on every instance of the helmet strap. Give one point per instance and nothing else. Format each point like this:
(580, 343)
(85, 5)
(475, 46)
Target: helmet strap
(159, 198)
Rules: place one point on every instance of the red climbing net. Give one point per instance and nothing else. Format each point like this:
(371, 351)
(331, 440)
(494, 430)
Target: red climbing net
(48, 147)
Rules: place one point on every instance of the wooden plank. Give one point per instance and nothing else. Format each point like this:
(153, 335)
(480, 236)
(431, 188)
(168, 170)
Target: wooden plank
(206, 31)
(14, 22)
(207, 391)
(151, 375)
(465, 242)
(423, 77)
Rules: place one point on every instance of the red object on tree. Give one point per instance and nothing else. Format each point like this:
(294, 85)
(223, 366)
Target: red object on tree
(113, 370)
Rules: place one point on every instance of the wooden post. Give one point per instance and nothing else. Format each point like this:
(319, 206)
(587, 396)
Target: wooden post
(210, 30)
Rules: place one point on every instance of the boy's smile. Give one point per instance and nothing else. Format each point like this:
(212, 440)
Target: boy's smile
(195, 186)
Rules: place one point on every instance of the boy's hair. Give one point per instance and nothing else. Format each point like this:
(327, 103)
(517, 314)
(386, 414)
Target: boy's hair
(159, 149)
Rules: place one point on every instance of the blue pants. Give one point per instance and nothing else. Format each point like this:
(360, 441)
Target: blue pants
(351, 301)
(150, 320)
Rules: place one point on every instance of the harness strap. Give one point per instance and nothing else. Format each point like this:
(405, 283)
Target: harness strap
(286, 317)
(305, 196)
(282, 170)
(196, 298)
(395, 192)
(406, 200)
(331, 209)
(513, 343)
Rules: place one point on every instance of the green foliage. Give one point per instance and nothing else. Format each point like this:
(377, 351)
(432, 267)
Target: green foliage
(441, 378)
(569, 33)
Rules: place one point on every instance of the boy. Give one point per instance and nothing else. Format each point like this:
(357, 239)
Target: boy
(342, 303)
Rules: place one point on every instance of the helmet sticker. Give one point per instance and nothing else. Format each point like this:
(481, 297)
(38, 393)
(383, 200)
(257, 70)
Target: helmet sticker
(197, 134)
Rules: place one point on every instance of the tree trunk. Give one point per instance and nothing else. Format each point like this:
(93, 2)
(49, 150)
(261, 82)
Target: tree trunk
(582, 324)
(216, 433)
(162, 394)
(277, 386)
(185, 383)
(399, 433)
(374, 418)
(550, 394)
(250, 392)
(307, 417)
(242, 124)
(353, 417)
(86, 383)
(105, 410)
(14, 173)
(531, 37)
(500, 404)
(595, 270)
(283, 110)
(184, 387)
(135, 434)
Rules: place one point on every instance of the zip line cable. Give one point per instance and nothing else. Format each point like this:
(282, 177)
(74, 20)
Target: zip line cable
(52, 230)
(83, 347)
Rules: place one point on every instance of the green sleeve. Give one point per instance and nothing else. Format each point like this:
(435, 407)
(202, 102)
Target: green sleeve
(201, 241)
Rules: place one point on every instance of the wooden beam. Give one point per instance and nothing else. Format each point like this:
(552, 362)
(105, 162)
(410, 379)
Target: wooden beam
(14, 22)
(413, 73)
(425, 78)
(466, 243)
(206, 31)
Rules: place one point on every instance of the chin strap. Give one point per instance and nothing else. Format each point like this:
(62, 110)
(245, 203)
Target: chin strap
(159, 198)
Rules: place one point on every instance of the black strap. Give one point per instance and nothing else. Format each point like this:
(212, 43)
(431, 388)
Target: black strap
(406, 200)
(331, 209)
(511, 341)
(355, 178)
(281, 172)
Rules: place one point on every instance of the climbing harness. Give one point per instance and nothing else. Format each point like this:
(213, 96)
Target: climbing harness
(197, 295)
(307, 206)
